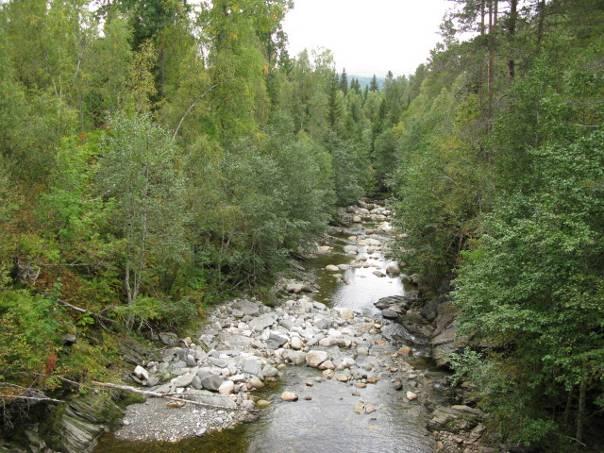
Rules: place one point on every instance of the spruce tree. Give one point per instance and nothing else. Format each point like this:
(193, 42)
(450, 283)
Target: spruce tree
(344, 82)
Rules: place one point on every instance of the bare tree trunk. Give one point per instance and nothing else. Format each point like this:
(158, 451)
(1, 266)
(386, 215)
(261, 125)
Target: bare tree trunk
(567, 408)
(512, 33)
(581, 410)
(541, 20)
(491, 67)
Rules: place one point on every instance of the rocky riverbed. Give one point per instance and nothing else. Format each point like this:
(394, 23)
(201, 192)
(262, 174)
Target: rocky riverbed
(322, 372)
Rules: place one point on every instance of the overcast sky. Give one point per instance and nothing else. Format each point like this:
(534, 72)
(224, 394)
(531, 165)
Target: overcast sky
(367, 36)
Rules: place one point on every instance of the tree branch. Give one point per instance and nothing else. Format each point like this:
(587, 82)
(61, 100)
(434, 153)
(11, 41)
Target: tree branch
(188, 111)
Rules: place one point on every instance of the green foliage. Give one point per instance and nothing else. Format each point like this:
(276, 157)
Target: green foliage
(139, 172)
(28, 335)
(147, 312)
(155, 157)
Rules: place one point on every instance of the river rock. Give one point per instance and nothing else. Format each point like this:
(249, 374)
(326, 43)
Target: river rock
(289, 396)
(327, 365)
(226, 388)
(328, 374)
(405, 351)
(211, 382)
(168, 338)
(296, 343)
(346, 314)
(359, 407)
(256, 382)
(141, 373)
(275, 340)
(455, 418)
(332, 268)
(324, 249)
(247, 307)
(315, 358)
(393, 269)
(373, 379)
(411, 396)
(294, 287)
(346, 362)
(196, 383)
(270, 371)
(218, 362)
(211, 399)
(262, 322)
(184, 380)
(252, 365)
(342, 377)
(296, 357)
(262, 404)
(388, 313)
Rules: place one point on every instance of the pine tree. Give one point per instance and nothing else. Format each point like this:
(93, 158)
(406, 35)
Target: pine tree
(344, 82)
(373, 86)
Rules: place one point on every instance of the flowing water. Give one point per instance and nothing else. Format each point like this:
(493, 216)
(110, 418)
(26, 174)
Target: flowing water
(327, 422)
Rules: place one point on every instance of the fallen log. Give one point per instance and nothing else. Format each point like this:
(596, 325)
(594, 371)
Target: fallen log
(128, 388)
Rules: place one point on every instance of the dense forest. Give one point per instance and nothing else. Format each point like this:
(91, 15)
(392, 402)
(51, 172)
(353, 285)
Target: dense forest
(157, 156)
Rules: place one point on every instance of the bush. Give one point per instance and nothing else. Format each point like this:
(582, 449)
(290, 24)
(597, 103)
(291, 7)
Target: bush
(29, 335)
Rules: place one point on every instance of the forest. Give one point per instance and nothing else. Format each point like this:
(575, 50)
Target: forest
(159, 156)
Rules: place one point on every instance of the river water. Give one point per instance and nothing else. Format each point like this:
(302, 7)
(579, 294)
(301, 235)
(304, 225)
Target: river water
(327, 422)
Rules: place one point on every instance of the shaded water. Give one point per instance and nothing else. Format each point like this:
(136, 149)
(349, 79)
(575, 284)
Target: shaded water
(327, 422)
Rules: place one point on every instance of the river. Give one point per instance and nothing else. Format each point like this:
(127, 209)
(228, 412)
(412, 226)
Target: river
(329, 420)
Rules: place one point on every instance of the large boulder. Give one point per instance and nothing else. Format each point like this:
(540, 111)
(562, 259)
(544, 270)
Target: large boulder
(455, 418)
(246, 307)
(393, 269)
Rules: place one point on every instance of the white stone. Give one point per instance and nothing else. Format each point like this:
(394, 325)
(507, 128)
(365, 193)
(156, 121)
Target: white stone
(289, 396)
(226, 388)
(141, 373)
(315, 358)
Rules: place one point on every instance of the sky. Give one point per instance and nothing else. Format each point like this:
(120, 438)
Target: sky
(367, 36)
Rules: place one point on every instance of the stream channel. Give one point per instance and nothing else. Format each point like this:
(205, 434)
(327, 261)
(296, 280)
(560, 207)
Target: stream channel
(329, 422)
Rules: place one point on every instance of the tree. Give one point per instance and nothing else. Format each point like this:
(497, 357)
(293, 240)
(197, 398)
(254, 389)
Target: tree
(373, 86)
(139, 171)
(344, 82)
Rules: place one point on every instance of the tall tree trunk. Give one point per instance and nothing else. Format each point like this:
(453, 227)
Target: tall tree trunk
(581, 410)
(491, 68)
(512, 33)
(541, 20)
(567, 408)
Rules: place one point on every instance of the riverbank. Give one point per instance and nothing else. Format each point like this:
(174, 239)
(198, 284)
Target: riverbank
(341, 363)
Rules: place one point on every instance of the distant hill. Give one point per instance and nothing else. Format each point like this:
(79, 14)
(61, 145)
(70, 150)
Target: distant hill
(366, 80)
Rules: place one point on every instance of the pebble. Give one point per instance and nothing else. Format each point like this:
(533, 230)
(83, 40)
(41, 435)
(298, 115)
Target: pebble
(411, 396)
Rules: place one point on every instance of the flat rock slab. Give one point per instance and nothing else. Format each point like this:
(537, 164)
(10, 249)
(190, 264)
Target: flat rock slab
(262, 322)
(246, 307)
